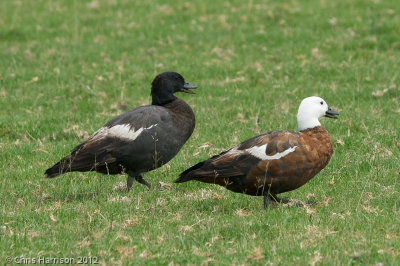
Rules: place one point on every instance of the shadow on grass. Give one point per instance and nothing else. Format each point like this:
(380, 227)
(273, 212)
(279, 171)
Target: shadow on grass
(75, 196)
(231, 202)
(12, 35)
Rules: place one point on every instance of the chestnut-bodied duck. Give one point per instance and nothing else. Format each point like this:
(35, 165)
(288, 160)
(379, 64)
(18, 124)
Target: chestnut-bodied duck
(273, 162)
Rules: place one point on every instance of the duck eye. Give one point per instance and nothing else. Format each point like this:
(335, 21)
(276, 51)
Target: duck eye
(322, 103)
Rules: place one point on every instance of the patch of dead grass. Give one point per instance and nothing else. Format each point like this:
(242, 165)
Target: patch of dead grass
(126, 251)
(256, 254)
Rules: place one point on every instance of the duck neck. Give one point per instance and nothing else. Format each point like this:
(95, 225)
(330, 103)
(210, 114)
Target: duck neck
(304, 124)
(162, 98)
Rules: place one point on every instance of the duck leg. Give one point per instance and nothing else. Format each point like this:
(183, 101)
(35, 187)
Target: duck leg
(129, 182)
(139, 178)
(266, 201)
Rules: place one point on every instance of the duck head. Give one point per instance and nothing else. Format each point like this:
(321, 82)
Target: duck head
(310, 110)
(166, 84)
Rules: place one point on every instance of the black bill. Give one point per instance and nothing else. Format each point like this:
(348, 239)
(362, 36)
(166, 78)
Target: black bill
(331, 113)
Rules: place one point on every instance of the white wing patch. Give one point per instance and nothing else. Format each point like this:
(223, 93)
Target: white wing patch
(259, 152)
(121, 131)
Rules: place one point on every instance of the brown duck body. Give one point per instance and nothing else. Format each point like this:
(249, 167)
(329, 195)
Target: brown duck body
(271, 163)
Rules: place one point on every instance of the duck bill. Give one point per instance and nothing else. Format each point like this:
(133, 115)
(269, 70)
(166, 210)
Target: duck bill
(331, 113)
(187, 87)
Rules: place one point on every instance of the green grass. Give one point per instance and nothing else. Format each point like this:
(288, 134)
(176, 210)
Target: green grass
(67, 67)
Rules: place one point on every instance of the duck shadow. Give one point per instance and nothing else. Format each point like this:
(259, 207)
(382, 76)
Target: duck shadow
(75, 196)
(294, 203)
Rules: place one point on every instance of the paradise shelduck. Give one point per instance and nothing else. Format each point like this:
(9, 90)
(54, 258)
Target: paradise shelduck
(273, 162)
(138, 140)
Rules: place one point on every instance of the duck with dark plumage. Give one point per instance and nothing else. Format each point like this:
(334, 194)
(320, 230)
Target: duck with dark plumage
(139, 140)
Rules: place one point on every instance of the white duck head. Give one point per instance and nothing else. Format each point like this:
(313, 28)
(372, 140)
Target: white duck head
(310, 110)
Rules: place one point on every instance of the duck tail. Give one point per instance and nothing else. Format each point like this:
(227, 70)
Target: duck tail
(189, 174)
(63, 166)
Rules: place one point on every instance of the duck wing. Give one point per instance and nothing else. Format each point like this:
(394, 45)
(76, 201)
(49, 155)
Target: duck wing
(240, 160)
(106, 149)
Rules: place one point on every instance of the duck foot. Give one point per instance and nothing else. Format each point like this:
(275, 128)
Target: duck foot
(273, 199)
(279, 200)
(310, 202)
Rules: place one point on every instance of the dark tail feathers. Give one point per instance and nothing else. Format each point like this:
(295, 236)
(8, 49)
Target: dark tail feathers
(191, 173)
(63, 166)
(188, 175)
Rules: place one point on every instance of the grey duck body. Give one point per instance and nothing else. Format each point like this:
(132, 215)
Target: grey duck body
(139, 140)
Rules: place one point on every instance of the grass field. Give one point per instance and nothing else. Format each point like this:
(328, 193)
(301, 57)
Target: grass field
(67, 67)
